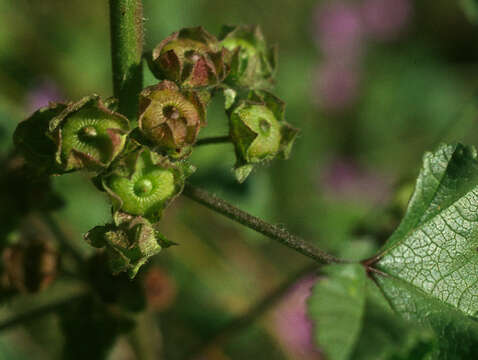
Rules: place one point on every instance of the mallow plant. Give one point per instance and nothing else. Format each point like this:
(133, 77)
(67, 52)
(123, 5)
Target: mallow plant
(135, 147)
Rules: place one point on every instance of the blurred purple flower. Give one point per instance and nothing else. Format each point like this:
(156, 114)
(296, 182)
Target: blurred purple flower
(338, 31)
(292, 325)
(344, 179)
(385, 19)
(336, 85)
(40, 95)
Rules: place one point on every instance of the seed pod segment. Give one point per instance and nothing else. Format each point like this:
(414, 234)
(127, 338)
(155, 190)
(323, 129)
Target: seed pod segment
(129, 244)
(143, 183)
(171, 119)
(191, 57)
(88, 135)
(259, 132)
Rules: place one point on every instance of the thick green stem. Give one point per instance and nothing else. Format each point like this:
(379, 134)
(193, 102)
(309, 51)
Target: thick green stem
(126, 19)
(274, 232)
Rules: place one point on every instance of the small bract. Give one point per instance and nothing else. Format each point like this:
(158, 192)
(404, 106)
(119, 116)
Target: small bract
(253, 63)
(32, 140)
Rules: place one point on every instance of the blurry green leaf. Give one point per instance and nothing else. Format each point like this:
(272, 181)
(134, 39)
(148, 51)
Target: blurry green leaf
(470, 7)
(432, 259)
(336, 306)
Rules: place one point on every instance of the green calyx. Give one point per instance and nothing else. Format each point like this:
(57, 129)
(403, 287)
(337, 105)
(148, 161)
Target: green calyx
(191, 57)
(171, 119)
(129, 242)
(259, 132)
(87, 135)
(144, 183)
(253, 63)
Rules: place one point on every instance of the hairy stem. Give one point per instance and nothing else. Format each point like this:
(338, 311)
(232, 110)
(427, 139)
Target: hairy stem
(272, 231)
(243, 321)
(126, 20)
(213, 140)
(39, 312)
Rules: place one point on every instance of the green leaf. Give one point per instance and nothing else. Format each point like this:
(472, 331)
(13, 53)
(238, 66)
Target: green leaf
(435, 247)
(457, 333)
(336, 306)
(430, 264)
(386, 336)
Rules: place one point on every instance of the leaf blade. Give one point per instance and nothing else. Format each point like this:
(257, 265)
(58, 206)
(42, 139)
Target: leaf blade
(336, 307)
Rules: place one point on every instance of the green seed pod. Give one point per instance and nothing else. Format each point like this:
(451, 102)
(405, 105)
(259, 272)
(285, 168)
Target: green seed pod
(259, 132)
(88, 135)
(253, 63)
(32, 140)
(191, 57)
(170, 119)
(143, 183)
(128, 244)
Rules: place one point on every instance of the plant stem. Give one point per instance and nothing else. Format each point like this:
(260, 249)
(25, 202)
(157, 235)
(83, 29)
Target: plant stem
(126, 20)
(38, 312)
(243, 321)
(213, 140)
(272, 231)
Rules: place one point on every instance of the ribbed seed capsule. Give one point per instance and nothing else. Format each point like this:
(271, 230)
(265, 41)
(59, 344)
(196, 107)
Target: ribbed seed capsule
(170, 118)
(252, 63)
(88, 135)
(129, 243)
(259, 132)
(191, 57)
(143, 184)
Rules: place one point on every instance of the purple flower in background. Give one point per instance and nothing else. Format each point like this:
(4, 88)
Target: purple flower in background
(292, 325)
(344, 179)
(385, 19)
(336, 85)
(41, 94)
(338, 30)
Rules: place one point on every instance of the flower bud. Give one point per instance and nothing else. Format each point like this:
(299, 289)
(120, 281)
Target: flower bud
(87, 135)
(29, 267)
(170, 119)
(253, 63)
(259, 132)
(129, 244)
(143, 183)
(191, 57)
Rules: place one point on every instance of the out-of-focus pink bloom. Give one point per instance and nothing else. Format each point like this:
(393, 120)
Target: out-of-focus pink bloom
(292, 325)
(338, 31)
(385, 19)
(42, 94)
(344, 179)
(336, 85)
